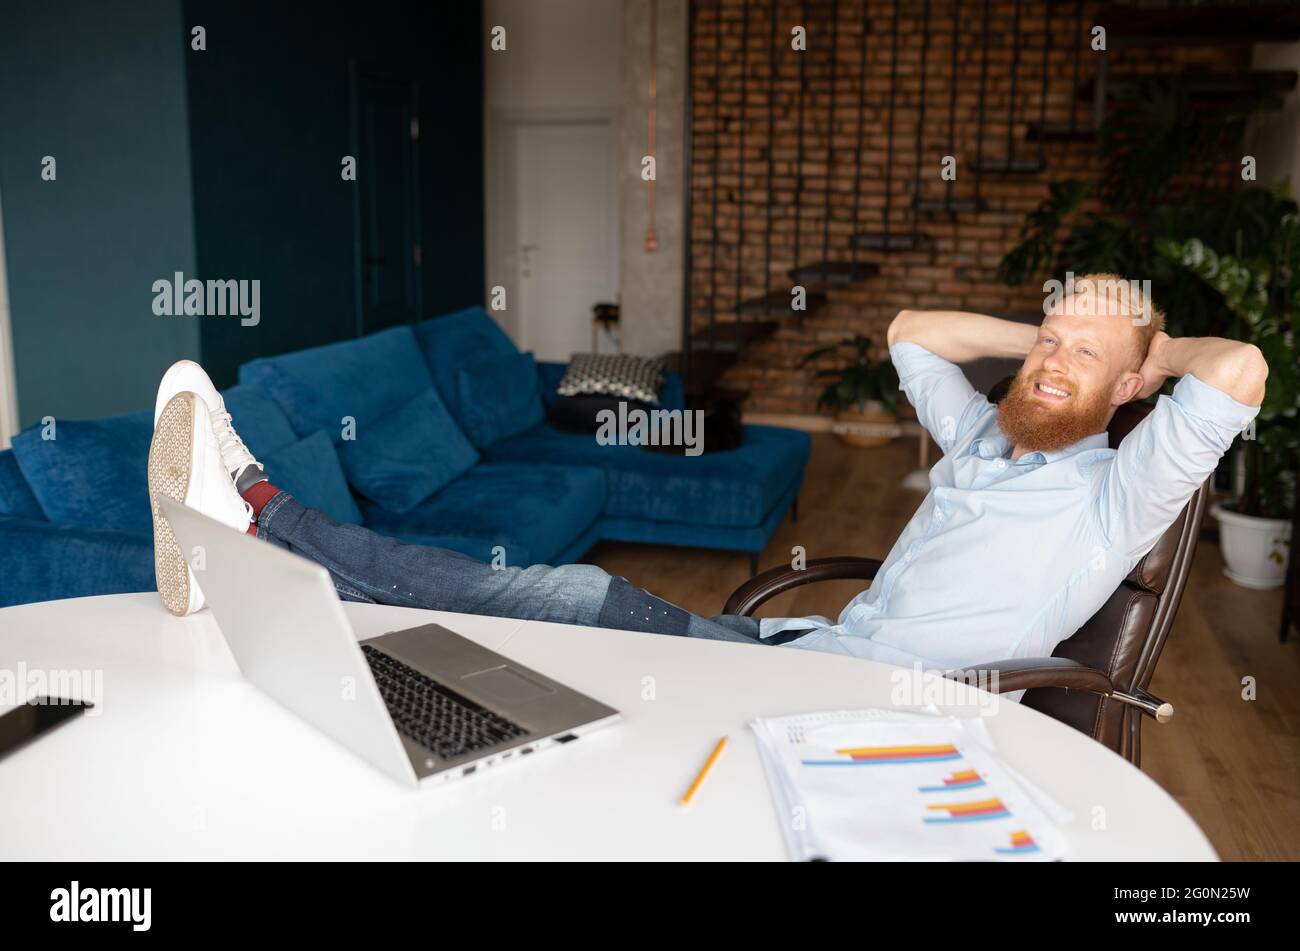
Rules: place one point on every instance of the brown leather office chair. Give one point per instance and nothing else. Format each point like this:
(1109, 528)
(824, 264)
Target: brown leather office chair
(1097, 679)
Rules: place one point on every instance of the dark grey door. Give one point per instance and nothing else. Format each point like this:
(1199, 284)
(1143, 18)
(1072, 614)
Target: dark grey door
(387, 137)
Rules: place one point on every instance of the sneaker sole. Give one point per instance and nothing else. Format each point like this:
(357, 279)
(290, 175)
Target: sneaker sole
(170, 455)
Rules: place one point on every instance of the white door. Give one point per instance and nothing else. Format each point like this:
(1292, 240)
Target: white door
(566, 232)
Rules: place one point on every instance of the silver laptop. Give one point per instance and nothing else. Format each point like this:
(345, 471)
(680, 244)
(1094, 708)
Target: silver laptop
(422, 704)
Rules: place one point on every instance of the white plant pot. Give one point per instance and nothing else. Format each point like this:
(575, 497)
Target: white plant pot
(1254, 549)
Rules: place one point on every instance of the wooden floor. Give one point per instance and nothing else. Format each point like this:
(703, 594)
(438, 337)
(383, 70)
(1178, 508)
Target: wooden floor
(1232, 763)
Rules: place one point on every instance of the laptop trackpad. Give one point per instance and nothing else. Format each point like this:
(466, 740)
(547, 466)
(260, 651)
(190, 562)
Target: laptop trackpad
(506, 685)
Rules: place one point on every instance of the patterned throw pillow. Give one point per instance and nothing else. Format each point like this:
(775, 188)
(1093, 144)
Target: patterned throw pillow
(614, 374)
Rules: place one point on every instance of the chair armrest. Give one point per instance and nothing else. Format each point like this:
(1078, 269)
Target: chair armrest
(1023, 673)
(768, 584)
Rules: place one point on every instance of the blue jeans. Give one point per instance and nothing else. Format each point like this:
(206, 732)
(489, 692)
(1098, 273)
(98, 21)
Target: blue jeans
(370, 567)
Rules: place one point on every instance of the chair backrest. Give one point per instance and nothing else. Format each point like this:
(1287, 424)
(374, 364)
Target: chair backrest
(1125, 637)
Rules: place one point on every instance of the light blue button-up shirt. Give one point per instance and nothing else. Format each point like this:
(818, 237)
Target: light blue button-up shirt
(1006, 558)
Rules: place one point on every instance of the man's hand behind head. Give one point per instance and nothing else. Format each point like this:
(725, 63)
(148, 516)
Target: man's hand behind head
(1153, 371)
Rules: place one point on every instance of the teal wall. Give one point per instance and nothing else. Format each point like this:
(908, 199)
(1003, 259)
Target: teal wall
(99, 86)
(221, 164)
(270, 107)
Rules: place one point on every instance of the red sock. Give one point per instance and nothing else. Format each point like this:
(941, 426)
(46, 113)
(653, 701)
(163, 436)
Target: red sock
(258, 495)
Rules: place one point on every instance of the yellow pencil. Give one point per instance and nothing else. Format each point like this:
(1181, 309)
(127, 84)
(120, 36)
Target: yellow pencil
(699, 780)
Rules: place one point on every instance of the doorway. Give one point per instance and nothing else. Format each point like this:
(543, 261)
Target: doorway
(387, 135)
(555, 198)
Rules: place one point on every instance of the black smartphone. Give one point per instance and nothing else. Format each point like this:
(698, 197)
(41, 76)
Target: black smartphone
(38, 715)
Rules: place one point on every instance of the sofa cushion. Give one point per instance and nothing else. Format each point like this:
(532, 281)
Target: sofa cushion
(447, 342)
(258, 419)
(40, 561)
(310, 471)
(737, 487)
(498, 397)
(402, 457)
(671, 396)
(614, 374)
(402, 445)
(93, 473)
(533, 512)
(359, 378)
(15, 494)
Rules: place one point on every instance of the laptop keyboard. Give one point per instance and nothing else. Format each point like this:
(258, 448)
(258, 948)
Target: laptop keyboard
(435, 716)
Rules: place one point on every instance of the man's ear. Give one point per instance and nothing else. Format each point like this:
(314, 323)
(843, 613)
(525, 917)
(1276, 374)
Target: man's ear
(1127, 388)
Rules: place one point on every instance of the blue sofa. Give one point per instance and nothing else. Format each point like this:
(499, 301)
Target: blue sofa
(434, 433)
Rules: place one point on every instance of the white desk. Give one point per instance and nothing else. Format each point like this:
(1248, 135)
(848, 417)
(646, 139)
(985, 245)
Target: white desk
(188, 761)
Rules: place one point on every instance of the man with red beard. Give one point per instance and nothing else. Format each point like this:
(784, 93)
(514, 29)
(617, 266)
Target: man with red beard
(1030, 524)
(1032, 520)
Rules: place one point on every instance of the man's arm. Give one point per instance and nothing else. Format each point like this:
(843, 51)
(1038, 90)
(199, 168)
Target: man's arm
(1229, 366)
(1167, 456)
(962, 337)
(926, 346)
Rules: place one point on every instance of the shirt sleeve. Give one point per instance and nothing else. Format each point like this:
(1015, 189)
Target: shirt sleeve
(1162, 462)
(946, 404)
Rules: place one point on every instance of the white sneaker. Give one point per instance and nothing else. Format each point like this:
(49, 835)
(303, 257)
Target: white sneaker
(186, 376)
(185, 465)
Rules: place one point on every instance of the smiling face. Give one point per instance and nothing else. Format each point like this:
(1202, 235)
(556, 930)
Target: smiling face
(1082, 366)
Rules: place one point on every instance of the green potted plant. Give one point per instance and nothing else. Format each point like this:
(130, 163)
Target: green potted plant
(1263, 294)
(1155, 146)
(862, 390)
(1221, 261)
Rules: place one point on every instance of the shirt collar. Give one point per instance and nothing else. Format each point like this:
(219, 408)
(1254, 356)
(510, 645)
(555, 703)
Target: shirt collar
(996, 446)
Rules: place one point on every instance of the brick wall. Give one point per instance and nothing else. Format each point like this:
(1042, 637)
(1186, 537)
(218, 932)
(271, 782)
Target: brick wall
(759, 156)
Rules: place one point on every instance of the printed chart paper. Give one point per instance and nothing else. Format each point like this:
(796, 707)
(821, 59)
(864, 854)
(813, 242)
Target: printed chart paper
(886, 785)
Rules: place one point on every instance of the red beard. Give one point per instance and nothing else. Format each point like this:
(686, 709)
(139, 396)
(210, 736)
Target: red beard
(1031, 424)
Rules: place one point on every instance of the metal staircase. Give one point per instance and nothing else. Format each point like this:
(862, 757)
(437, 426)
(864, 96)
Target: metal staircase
(734, 296)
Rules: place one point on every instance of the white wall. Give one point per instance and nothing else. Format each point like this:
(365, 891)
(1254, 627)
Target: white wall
(563, 59)
(1275, 136)
(560, 54)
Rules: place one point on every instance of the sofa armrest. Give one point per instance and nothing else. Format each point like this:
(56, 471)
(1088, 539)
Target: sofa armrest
(42, 561)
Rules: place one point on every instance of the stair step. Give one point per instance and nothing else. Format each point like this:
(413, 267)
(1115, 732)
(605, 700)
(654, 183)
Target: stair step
(888, 240)
(1062, 131)
(1008, 166)
(733, 335)
(1211, 26)
(777, 304)
(1207, 85)
(834, 272)
(950, 206)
